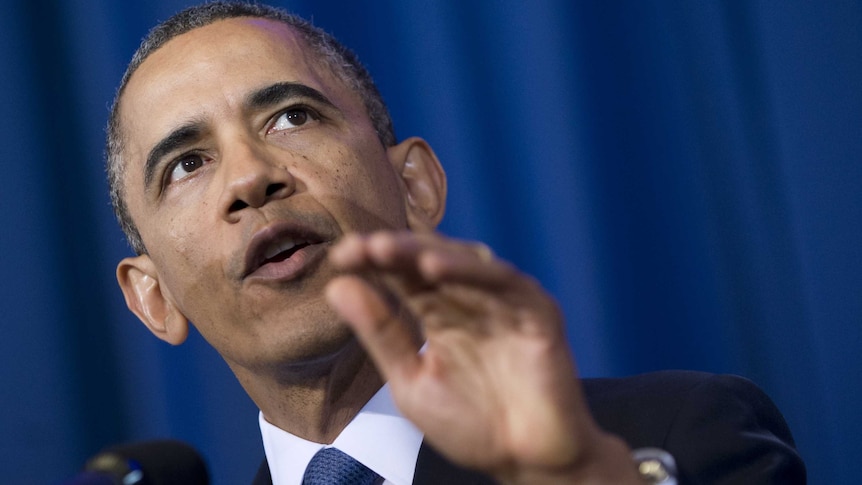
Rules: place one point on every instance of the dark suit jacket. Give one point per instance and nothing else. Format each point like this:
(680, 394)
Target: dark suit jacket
(720, 429)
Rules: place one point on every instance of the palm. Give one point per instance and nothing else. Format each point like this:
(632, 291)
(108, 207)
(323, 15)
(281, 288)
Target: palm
(495, 385)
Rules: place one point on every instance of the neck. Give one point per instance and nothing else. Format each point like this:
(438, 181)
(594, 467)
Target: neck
(315, 400)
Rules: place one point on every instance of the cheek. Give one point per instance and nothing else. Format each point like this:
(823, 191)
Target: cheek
(361, 189)
(189, 264)
(185, 243)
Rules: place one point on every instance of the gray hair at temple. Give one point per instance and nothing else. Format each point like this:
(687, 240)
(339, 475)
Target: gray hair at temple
(341, 60)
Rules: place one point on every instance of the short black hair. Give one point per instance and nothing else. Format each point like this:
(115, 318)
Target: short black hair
(341, 60)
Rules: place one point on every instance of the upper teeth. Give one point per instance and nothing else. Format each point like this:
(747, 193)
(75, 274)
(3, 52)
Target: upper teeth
(280, 247)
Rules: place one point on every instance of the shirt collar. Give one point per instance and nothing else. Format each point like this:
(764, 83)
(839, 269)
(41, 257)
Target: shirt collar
(378, 437)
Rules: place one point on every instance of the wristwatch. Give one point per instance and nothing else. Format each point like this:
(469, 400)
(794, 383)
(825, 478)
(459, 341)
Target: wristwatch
(655, 466)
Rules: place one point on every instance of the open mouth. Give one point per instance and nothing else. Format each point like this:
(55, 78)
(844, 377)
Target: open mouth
(283, 251)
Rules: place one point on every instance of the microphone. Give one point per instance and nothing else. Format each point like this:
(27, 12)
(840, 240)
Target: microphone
(158, 462)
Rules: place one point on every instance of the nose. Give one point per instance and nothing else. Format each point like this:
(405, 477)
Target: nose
(252, 178)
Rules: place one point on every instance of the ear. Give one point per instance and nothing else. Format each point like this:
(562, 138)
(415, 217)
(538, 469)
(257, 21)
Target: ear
(145, 297)
(424, 180)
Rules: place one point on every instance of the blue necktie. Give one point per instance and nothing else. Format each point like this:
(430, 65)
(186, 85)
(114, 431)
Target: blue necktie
(331, 466)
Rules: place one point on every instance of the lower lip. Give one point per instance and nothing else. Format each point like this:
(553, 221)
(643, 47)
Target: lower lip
(293, 267)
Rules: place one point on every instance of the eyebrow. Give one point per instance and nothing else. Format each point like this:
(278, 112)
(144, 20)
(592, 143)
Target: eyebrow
(177, 138)
(279, 92)
(256, 101)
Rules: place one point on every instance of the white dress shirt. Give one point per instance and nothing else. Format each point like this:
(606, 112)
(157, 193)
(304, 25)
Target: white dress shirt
(378, 437)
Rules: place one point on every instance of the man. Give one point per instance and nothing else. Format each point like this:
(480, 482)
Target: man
(254, 169)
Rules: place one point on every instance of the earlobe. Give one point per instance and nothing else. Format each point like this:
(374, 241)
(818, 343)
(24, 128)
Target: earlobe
(146, 298)
(425, 183)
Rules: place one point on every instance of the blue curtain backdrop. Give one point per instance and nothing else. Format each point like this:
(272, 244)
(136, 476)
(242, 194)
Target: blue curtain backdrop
(684, 176)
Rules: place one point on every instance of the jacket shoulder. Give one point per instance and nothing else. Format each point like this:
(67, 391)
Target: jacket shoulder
(719, 428)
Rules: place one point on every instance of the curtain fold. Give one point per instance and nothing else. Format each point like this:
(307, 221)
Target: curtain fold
(684, 177)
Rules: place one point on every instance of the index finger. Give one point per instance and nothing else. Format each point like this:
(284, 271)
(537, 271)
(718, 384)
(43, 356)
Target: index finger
(389, 339)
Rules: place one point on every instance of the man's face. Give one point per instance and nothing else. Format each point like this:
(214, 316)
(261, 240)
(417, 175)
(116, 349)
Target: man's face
(245, 159)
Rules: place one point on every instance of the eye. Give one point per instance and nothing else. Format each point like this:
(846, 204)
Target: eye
(293, 118)
(184, 166)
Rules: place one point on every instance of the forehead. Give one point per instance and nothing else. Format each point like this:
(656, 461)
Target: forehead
(208, 71)
(231, 46)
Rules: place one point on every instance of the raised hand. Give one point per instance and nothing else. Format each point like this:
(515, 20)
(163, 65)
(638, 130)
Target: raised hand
(495, 387)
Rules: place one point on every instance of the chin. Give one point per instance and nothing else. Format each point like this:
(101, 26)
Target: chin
(310, 353)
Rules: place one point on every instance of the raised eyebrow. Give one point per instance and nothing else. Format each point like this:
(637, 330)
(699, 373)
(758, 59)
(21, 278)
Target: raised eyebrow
(279, 92)
(184, 135)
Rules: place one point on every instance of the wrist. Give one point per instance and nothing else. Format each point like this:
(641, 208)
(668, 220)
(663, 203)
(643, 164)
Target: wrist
(608, 461)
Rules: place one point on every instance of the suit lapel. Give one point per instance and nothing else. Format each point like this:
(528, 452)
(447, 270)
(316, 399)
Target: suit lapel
(433, 469)
(262, 477)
